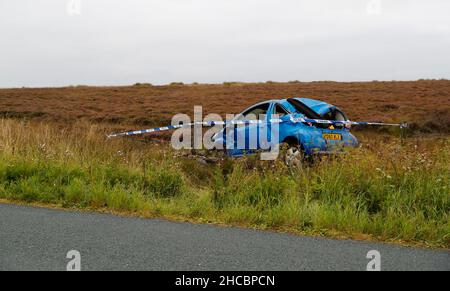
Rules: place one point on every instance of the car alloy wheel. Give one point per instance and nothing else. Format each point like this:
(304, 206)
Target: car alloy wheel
(294, 156)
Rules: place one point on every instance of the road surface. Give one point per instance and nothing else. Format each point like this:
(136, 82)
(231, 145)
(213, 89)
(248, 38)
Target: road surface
(39, 239)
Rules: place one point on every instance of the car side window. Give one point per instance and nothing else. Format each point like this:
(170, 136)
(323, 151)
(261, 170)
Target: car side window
(256, 113)
(280, 111)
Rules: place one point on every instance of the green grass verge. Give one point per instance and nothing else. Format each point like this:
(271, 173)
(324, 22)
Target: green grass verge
(388, 192)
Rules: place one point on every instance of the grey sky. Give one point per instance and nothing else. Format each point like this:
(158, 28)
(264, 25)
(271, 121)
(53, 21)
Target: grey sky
(116, 42)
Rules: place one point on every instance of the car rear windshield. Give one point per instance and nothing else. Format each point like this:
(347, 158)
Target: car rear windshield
(303, 109)
(335, 114)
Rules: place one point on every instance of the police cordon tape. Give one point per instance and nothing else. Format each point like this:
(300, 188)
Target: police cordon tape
(253, 122)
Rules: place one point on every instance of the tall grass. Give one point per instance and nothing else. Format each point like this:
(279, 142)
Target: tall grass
(383, 190)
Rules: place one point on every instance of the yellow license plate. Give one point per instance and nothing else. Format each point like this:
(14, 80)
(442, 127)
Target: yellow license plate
(332, 136)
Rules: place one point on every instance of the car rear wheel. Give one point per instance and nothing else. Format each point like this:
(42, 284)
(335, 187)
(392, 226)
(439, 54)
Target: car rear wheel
(293, 155)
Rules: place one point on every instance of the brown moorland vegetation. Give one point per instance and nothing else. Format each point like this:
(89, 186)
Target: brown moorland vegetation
(425, 104)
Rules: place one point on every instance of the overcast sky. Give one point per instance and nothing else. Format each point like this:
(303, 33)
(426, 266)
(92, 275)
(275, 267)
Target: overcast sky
(117, 42)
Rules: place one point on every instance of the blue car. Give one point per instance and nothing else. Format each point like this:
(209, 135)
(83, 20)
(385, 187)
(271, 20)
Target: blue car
(301, 138)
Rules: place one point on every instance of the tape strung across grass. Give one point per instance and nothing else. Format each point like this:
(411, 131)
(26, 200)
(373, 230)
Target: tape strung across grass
(252, 122)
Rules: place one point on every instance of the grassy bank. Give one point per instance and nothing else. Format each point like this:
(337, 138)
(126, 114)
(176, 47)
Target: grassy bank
(384, 190)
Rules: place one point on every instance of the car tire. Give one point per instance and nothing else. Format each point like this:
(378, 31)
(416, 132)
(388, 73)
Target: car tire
(293, 155)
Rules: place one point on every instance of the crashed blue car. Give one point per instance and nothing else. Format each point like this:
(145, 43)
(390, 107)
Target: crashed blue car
(302, 139)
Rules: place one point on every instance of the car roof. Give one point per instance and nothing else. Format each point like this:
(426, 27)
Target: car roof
(320, 107)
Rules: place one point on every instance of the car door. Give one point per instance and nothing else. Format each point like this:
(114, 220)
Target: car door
(278, 132)
(247, 136)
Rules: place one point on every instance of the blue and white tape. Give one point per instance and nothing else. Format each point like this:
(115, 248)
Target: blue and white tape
(334, 122)
(251, 122)
(188, 125)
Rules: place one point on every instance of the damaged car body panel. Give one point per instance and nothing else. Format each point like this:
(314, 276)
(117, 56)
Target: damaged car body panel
(311, 138)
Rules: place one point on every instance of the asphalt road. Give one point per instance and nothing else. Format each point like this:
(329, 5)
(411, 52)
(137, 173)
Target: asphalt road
(39, 239)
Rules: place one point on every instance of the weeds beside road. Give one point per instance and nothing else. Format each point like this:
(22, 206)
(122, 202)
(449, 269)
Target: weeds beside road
(384, 190)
